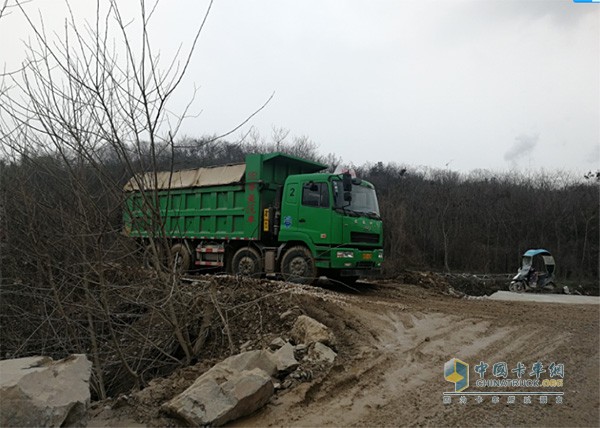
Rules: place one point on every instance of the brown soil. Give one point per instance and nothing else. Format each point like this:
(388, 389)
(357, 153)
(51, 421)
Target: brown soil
(394, 339)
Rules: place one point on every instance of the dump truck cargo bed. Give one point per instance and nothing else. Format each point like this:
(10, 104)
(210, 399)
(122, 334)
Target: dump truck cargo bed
(225, 202)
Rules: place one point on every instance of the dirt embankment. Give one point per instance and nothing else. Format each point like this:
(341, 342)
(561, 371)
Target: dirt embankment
(394, 339)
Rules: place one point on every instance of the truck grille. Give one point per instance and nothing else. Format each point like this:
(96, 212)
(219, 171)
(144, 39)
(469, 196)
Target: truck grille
(369, 238)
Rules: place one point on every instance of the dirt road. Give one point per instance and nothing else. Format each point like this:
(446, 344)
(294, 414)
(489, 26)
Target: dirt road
(393, 342)
(395, 339)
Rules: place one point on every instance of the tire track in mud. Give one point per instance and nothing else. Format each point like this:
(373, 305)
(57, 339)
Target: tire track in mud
(407, 366)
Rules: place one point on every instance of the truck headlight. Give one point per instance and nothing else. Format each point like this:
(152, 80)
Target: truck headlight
(345, 254)
(381, 255)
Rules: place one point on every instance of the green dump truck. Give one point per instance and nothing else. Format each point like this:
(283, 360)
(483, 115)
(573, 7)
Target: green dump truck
(273, 214)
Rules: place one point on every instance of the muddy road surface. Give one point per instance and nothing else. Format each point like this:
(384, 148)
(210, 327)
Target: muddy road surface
(394, 340)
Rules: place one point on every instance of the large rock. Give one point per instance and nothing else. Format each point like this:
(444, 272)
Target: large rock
(307, 330)
(235, 387)
(249, 360)
(284, 359)
(37, 391)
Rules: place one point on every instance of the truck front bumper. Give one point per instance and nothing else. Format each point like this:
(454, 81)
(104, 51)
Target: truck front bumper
(361, 261)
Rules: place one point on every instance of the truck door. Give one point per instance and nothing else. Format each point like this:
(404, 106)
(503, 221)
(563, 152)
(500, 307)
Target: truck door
(314, 211)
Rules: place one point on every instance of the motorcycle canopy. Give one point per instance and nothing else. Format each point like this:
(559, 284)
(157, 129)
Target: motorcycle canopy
(546, 256)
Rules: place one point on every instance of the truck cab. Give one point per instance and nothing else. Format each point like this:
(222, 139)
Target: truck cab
(337, 218)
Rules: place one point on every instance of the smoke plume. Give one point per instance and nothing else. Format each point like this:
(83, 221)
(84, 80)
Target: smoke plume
(522, 148)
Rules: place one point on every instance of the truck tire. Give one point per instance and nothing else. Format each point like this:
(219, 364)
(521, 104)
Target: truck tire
(297, 265)
(247, 262)
(149, 261)
(180, 259)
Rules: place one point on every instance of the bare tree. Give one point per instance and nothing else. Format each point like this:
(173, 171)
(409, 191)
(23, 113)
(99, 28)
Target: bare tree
(78, 97)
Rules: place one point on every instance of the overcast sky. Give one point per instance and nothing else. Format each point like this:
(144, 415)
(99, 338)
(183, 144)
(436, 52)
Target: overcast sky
(469, 84)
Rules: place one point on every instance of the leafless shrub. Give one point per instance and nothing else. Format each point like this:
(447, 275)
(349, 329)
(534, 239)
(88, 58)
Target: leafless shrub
(80, 117)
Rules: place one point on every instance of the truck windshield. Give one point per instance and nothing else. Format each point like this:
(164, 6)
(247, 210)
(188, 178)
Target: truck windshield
(364, 200)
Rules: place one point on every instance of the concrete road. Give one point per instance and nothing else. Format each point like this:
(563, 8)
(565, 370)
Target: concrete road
(544, 298)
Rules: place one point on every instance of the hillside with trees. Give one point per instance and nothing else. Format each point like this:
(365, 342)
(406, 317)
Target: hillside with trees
(434, 219)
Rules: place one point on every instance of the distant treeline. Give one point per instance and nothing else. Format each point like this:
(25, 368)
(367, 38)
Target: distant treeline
(434, 219)
(483, 222)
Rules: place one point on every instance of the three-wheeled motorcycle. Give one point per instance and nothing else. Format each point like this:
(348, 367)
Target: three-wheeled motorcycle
(536, 272)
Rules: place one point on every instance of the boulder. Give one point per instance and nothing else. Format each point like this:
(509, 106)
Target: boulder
(235, 387)
(37, 391)
(251, 390)
(216, 401)
(307, 330)
(321, 353)
(284, 359)
(249, 360)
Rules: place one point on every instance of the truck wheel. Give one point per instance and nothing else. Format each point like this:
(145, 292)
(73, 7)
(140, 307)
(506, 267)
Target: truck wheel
(180, 258)
(297, 265)
(246, 261)
(149, 261)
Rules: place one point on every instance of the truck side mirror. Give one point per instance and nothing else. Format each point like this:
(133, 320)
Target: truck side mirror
(347, 183)
(347, 196)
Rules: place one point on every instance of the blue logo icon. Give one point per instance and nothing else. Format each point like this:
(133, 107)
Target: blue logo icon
(457, 372)
(287, 221)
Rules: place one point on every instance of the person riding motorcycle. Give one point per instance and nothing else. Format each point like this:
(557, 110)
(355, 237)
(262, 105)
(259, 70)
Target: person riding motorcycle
(532, 276)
